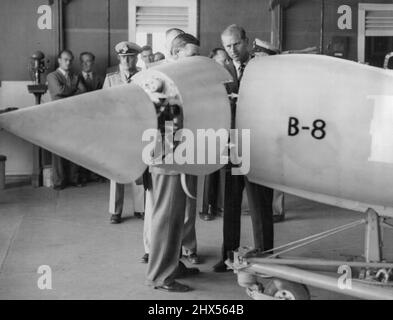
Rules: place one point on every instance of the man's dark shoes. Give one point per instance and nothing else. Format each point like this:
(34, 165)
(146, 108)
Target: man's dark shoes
(278, 218)
(145, 258)
(116, 218)
(139, 215)
(206, 216)
(77, 184)
(220, 267)
(173, 287)
(193, 258)
(182, 271)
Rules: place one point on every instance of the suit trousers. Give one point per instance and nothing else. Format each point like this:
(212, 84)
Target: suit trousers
(260, 200)
(116, 197)
(167, 227)
(64, 171)
(278, 203)
(214, 191)
(189, 243)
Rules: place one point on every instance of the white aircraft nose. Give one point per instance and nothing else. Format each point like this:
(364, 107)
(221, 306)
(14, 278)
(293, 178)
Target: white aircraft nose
(100, 130)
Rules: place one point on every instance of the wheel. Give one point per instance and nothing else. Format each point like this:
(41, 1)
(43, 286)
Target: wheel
(286, 290)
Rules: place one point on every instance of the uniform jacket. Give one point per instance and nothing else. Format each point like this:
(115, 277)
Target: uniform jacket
(115, 79)
(60, 88)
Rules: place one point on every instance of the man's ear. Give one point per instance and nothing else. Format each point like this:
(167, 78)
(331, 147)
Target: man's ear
(175, 53)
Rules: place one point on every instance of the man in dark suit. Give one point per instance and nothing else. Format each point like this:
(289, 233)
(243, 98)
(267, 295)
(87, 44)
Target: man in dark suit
(89, 77)
(63, 83)
(260, 198)
(92, 82)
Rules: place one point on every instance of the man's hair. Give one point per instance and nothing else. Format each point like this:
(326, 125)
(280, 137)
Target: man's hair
(214, 52)
(87, 53)
(146, 48)
(160, 55)
(66, 51)
(234, 28)
(182, 40)
(172, 30)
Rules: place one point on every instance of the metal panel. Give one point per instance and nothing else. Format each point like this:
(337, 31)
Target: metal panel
(353, 162)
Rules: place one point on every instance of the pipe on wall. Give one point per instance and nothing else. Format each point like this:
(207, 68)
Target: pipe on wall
(322, 29)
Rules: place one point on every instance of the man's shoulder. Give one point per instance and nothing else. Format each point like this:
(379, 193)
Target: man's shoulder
(113, 74)
(53, 74)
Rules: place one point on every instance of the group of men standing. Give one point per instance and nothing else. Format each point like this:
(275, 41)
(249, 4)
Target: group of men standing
(63, 83)
(169, 214)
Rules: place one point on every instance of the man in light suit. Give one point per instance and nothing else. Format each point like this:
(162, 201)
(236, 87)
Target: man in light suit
(189, 244)
(128, 55)
(260, 198)
(170, 204)
(63, 83)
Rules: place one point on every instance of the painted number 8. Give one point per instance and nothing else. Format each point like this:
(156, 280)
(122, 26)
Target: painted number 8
(318, 131)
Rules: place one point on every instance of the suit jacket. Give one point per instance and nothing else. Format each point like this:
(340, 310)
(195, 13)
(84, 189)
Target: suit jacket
(232, 87)
(96, 82)
(60, 88)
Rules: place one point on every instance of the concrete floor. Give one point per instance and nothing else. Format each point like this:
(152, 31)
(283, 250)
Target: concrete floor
(92, 259)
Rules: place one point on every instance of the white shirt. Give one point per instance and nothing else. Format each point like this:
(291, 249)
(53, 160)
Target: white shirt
(85, 74)
(64, 73)
(238, 65)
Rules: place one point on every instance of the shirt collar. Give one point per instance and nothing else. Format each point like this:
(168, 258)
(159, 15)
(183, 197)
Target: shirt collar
(237, 64)
(63, 72)
(87, 73)
(125, 73)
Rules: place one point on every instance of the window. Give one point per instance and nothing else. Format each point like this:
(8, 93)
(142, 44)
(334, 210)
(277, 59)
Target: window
(375, 31)
(149, 19)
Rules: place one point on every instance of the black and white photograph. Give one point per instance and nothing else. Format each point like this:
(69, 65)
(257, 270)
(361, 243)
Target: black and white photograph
(196, 155)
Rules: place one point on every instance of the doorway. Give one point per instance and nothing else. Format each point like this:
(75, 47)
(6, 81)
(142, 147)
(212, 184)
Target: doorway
(375, 33)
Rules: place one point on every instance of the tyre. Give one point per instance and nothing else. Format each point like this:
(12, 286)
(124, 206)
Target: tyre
(287, 290)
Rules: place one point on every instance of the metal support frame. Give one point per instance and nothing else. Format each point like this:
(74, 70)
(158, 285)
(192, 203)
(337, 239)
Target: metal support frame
(373, 243)
(293, 268)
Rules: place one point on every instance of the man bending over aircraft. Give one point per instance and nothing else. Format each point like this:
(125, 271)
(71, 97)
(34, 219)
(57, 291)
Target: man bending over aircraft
(170, 204)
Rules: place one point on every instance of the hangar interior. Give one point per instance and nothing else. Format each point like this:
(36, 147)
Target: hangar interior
(69, 230)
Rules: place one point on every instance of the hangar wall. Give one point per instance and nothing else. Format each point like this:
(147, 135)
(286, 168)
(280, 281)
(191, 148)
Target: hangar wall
(215, 15)
(302, 24)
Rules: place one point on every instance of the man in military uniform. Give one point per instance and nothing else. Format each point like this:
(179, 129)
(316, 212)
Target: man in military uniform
(127, 53)
(63, 83)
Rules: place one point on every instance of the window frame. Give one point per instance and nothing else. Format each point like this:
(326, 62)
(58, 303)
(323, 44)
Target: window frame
(363, 8)
(192, 9)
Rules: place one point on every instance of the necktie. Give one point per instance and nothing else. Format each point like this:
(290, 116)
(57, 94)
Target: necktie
(68, 79)
(88, 82)
(241, 70)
